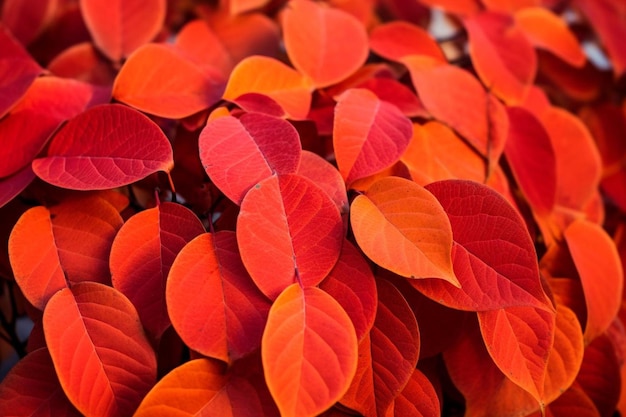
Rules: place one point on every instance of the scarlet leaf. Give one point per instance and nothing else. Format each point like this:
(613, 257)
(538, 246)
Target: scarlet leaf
(212, 301)
(17, 71)
(352, 284)
(15, 184)
(313, 36)
(326, 176)
(270, 77)
(387, 355)
(32, 388)
(83, 62)
(502, 55)
(548, 31)
(396, 93)
(288, 230)
(461, 7)
(309, 351)
(399, 39)
(418, 398)
(141, 257)
(601, 274)
(510, 6)
(26, 21)
(121, 26)
(401, 226)
(494, 257)
(159, 80)
(239, 153)
(199, 42)
(107, 146)
(369, 135)
(95, 338)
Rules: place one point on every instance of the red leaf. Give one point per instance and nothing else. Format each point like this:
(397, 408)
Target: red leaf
(17, 71)
(199, 42)
(15, 184)
(212, 301)
(83, 62)
(396, 93)
(399, 39)
(288, 230)
(369, 135)
(460, 7)
(32, 388)
(352, 284)
(309, 351)
(314, 37)
(510, 6)
(159, 80)
(418, 398)
(26, 20)
(107, 146)
(96, 339)
(141, 257)
(387, 355)
(326, 176)
(239, 153)
(119, 27)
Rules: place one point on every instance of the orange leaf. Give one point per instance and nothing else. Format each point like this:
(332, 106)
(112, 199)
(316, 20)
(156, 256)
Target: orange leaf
(83, 62)
(141, 256)
(159, 80)
(32, 388)
(309, 351)
(199, 43)
(460, 7)
(239, 153)
(119, 27)
(399, 39)
(510, 6)
(403, 228)
(270, 77)
(314, 36)
(288, 230)
(502, 55)
(548, 31)
(601, 274)
(212, 301)
(369, 135)
(95, 339)
(418, 398)
(242, 6)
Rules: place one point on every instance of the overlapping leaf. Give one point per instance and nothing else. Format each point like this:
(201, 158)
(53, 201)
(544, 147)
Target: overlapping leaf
(326, 176)
(142, 254)
(309, 351)
(95, 339)
(418, 398)
(27, 20)
(399, 39)
(15, 184)
(369, 135)
(401, 226)
(212, 301)
(239, 153)
(288, 230)
(199, 42)
(119, 27)
(105, 147)
(313, 36)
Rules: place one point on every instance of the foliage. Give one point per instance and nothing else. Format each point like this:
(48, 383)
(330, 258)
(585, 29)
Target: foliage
(299, 208)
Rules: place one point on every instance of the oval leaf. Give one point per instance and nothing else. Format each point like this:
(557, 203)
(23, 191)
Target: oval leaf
(142, 254)
(95, 339)
(418, 398)
(399, 39)
(313, 34)
(288, 230)
(105, 147)
(326, 176)
(239, 153)
(401, 226)
(369, 135)
(309, 351)
(212, 301)
(15, 184)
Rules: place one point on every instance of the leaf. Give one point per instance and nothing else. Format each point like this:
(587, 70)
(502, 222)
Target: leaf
(418, 398)
(396, 93)
(120, 27)
(387, 355)
(502, 55)
(83, 62)
(601, 274)
(313, 35)
(399, 39)
(199, 43)
(95, 338)
(242, 6)
(288, 230)
(309, 351)
(548, 31)
(159, 80)
(270, 77)
(239, 153)
(15, 184)
(369, 135)
(32, 388)
(531, 156)
(52, 248)
(26, 21)
(50, 101)
(107, 146)
(460, 7)
(326, 176)
(510, 6)
(401, 227)
(17, 71)
(141, 257)
(352, 284)
(493, 255)
(573, 402)
(212, 301)
(200, 387)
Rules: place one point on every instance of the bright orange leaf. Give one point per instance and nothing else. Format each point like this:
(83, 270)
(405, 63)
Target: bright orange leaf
(460, 7)
(199, 42)
(510, 6)
(399, 39)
